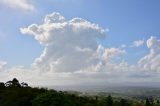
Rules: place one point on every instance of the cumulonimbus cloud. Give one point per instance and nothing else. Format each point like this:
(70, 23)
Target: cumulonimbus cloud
(69, 45)
(72, 55)
(71, 49)
(71, 52)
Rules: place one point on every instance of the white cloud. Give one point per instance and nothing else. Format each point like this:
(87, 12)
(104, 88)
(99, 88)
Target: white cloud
(110, 53)
(71, 53)
(71, 56)
(138, 43)
(18, 4)
(154, 45)
(69, 45)
(114, 74)
(123, 46)
(151, 61)
(2, 64)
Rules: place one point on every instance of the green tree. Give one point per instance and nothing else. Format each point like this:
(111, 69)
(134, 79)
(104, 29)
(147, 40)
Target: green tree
(109, 101)
(148, 102)
(48, 99)
(13, 83)
(2, 85)
(23, 84)
(124, 102)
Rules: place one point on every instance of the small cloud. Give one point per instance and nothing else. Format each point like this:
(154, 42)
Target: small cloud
(138, 43)
(110, 53)
(2, 64)
(123, 46)
(18, 4)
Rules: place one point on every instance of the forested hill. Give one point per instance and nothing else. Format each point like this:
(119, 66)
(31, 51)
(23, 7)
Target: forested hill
(14, 93)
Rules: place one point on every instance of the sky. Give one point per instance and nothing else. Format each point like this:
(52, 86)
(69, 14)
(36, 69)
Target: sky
(80, 42)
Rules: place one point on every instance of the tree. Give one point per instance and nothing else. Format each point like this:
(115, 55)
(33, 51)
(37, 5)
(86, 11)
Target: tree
(23, 84)
(13, 83)
(147, 102)
(8, 83)
(48, 99)
(2, 85)
(124, 102)
(109, 101)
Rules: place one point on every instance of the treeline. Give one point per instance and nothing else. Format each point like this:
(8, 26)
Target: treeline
(14, 93)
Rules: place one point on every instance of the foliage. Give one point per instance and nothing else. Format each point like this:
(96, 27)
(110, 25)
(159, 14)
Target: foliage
(13, 93)
(109, 101)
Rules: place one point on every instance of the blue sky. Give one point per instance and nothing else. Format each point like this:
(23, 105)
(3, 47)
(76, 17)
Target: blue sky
(127, 21)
